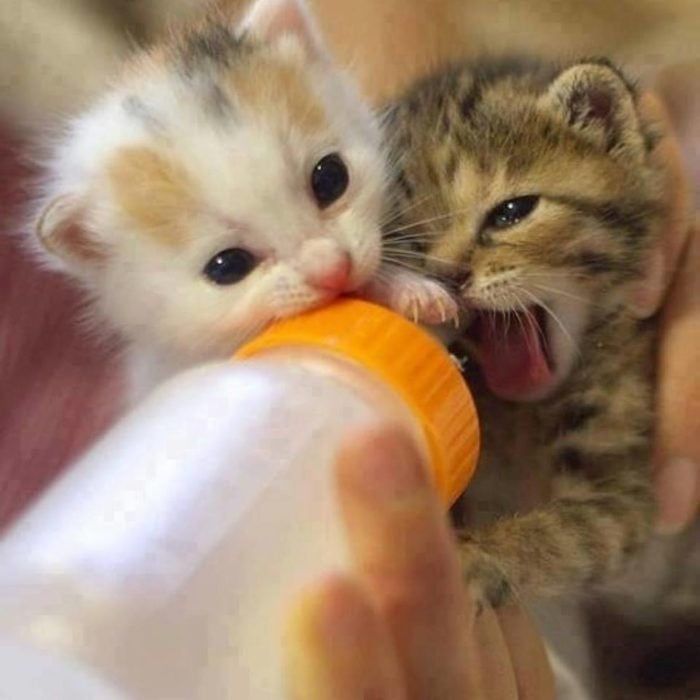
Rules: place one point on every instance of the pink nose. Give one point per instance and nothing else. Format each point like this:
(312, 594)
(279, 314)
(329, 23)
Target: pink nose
(332, 276)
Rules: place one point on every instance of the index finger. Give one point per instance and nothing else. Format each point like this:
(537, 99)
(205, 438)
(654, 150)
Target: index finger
(406, 555)
(531, 667)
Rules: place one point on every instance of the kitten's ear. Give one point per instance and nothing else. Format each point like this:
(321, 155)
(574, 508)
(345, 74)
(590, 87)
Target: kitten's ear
(595, 99)
(61, 231)
(270, 20)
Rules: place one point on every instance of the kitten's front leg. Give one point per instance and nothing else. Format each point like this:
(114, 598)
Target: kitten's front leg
(418, 298)
(576, 542)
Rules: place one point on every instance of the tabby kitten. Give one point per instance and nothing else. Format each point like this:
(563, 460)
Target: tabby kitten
(529, 189)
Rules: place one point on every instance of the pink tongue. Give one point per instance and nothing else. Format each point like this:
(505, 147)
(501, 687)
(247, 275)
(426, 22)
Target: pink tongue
(512, 358)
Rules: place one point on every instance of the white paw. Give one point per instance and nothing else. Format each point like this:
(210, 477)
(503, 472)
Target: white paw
(418, 298)
(425, 301)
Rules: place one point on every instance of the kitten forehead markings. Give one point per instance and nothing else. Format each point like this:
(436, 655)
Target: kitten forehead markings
(211, 43)
(156, 192)
(218, 102)
(243, 73)
(153, 191)
(277, 92)
(231, 73)
(137, 109)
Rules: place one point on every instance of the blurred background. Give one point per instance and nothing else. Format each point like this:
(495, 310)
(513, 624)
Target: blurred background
(59, 386)
(55, 54)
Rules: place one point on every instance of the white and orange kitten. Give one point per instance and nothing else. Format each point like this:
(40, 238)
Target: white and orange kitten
(232, 177)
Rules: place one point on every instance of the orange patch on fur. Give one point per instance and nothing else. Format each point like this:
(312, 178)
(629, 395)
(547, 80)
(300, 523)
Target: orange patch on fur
(278, 90)
(155, 193)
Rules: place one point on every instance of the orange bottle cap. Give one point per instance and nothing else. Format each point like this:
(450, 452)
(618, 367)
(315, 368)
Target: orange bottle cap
(408, 360)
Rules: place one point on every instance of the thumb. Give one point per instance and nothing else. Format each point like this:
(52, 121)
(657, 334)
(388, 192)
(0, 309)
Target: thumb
(677, 474)
(647, 295)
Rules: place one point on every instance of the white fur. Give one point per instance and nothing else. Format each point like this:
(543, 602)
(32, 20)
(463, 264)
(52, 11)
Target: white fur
(251, 176)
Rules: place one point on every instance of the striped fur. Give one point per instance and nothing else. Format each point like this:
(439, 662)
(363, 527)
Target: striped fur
(572, 459)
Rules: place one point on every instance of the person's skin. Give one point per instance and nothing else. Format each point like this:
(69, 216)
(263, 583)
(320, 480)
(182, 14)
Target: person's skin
(677, 472)
(678, 445)
(402, 626)
(673, 281)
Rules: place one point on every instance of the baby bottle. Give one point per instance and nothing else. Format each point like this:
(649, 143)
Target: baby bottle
(161, 565)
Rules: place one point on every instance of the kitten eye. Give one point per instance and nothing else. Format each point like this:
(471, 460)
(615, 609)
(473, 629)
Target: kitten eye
(230, 266)
(511, 212)
(329, 180)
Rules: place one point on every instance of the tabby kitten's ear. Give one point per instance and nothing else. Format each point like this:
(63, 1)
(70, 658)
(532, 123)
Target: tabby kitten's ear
(271, 20)
(595, 99)
(62, 233)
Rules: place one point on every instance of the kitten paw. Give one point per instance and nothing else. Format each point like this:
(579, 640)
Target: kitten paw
(418, 298)
(427, 302)
(485, 579)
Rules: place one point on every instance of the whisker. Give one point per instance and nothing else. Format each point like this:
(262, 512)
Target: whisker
(430, 233)
(509, 318)
(402, 255)
(424, 237)
(420, 233)
(397, 214)
(402, 264)
(539, 331)
(555, 318)
(525, 316)
(559, 292)
(411, 238)
(440, 217)
(566, 274)
(415, 255)
(568, 295)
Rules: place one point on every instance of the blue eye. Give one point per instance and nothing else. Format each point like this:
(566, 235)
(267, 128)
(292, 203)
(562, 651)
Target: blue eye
(230, 266)
(511, 212)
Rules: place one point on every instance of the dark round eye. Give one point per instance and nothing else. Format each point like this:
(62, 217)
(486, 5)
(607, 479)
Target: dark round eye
(511, 212)
(329, 180)
(230, 266)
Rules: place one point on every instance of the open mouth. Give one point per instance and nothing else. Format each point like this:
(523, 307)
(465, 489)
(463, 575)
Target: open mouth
(514, 352)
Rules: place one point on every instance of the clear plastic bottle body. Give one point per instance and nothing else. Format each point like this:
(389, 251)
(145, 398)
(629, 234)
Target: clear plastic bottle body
(162, 562)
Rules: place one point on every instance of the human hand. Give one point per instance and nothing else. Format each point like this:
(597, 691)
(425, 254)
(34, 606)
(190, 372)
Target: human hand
(673, 279)
(403, 626)
(677, 472)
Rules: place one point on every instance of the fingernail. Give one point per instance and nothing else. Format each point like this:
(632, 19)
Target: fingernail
(678, 493)
(388, 467)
